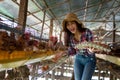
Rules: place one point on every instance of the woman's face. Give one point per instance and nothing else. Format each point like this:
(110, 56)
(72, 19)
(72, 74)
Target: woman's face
(71, 26)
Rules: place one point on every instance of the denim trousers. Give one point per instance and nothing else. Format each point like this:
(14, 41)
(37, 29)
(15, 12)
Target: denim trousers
(84, 66)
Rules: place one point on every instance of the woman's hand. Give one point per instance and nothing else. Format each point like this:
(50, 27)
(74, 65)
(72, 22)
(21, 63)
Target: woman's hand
(93, 50)
(58, 56)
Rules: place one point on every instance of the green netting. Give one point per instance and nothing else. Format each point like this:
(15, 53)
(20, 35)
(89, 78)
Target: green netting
(32, 7)
(54, 2)
(93, 2)
(77, 4)
(58, 11)
(3, 11)
(93, 9)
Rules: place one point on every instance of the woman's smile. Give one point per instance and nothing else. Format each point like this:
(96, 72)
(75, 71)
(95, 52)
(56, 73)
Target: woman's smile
(71, 26)
(72, 30)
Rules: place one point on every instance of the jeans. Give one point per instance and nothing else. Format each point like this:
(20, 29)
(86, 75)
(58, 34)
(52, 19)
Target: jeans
(84, 67)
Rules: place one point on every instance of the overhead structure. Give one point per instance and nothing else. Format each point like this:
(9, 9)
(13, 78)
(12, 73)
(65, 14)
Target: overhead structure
(94, 13)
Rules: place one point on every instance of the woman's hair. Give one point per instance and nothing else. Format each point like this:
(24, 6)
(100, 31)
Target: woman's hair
(67, 33)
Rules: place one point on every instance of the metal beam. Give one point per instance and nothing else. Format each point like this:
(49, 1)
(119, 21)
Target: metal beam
(23, 14)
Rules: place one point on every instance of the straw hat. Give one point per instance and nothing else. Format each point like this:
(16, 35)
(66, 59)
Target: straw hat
(71, 17)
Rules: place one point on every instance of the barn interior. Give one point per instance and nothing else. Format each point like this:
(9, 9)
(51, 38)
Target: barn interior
(39, 20)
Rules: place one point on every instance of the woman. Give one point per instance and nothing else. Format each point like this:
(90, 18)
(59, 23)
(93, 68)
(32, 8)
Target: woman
(75, 33)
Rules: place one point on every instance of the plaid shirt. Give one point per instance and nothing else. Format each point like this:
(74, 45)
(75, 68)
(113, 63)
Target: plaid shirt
(86, 36)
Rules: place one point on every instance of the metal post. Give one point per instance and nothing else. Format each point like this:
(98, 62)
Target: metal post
(114, 26)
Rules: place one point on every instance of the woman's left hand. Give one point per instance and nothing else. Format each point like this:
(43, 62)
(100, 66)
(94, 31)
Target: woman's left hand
(93, 50)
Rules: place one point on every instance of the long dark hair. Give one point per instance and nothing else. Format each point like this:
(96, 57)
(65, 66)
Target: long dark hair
(67, 33)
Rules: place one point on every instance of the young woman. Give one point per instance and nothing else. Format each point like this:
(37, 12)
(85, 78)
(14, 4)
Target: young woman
(75, 33)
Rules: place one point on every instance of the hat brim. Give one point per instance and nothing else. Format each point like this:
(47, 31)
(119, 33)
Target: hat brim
(69, 20)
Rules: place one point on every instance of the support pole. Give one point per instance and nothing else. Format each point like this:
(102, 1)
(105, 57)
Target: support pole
(60, 35)
(23, 14)
(51, 28)
(42, 25)
(99, 74)
(114, 26)
(53, 74)
(111, 76)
